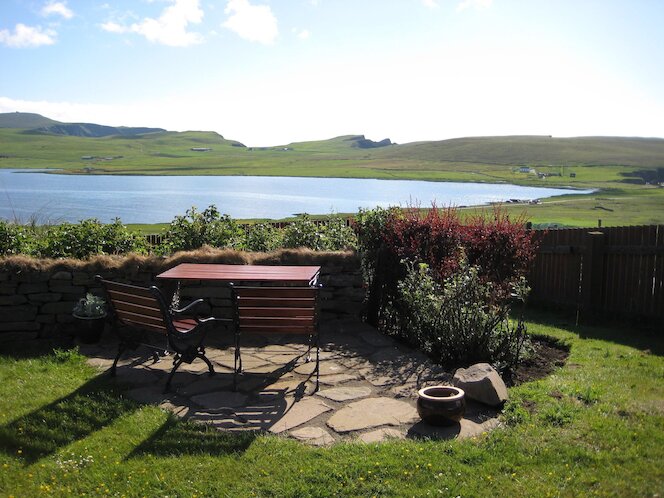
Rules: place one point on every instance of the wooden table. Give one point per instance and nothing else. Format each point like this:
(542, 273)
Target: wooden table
(290, 275)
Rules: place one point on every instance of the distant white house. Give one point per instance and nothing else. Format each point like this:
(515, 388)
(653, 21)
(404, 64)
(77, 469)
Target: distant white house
(201, 149)
(524, 169)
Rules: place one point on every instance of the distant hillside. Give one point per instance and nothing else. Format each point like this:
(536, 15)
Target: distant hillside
(24, 120)
(538, 150)
(37, 124)
(361, 142)
(92, 130)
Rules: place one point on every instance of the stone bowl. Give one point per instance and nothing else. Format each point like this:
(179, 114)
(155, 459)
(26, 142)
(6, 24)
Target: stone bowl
(441, 405)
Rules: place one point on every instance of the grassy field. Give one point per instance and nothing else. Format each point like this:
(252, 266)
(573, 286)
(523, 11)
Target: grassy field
(616, 166)
(595, 427)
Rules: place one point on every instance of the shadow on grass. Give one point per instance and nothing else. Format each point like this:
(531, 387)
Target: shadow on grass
(44, 431)
(624, 333)
(34, 348)
(178, 438)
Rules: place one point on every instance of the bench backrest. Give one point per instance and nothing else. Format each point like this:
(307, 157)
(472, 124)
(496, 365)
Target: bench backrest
(136, 306)
(284, 310)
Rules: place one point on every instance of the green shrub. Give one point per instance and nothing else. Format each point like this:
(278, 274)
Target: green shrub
(117, 239)
(87, 238)
(499, 247)
(13, 238)
(195, 229)
(330, 234)
(304, 232)
(338, 235)
(455, 322)
(263, 237)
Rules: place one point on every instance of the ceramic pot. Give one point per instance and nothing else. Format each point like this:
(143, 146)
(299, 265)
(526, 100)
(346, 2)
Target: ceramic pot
(89, 329)
(441, 405)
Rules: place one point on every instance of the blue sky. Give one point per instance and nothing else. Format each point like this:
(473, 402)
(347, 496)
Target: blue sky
(272, 72)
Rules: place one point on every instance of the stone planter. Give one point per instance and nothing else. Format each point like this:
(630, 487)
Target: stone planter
(89, 328)
(441, 405)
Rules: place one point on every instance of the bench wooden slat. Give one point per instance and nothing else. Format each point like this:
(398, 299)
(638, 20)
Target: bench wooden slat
(123, 297)
(280, 321)
(138, 319)
(258, 302)
(184, 324)
(277, 312)
(276, 292)
(273, 329)
(122, 288)
(137, 309)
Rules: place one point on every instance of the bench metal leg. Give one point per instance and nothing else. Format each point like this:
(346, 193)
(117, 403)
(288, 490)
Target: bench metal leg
(121, 349)
(238, 361)
(201, 355)
(177, 361)
(317, 361)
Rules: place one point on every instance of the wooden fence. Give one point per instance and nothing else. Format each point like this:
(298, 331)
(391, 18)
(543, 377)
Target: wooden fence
(608, 271)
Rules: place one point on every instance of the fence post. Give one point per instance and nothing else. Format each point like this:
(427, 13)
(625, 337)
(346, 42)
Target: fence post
(593, 265)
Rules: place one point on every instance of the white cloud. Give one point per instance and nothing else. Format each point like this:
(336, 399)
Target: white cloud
(113, 27)
(432, 4)
(255, 23)
(170, 28)
(57, 8)
(474, 4)
(27, 36)
(302, 34)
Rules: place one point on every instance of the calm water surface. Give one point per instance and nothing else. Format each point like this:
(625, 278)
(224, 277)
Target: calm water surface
(155, 199)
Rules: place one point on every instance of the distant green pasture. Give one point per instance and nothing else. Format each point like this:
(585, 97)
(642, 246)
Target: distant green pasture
(489, 159)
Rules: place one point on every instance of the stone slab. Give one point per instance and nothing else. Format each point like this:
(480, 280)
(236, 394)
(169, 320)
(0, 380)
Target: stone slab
(378, 435)
(326, 368)
(372, 412)
(315, 436)
(464, 429)
(345, 393)
(299, 413)
(220, 399)
(375, 338)
(335, 380)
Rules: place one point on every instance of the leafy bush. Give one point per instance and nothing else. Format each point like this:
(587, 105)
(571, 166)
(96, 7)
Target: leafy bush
(87, 238)
(13, 238)
(304, 232)
(338, 235)
(436, 238)
(500, 248)
(195, 229)
(117, 239)
(263, 237)
(456, 321)
(331, 234)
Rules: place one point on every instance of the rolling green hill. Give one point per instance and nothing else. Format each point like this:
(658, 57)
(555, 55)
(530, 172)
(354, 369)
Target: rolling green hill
(35, 124)
(627, 170)
(24, 120)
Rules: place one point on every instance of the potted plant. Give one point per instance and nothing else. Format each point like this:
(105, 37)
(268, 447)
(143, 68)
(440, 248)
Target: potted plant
(91, 313)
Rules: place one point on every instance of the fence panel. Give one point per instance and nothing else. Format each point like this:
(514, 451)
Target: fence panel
(623, 269)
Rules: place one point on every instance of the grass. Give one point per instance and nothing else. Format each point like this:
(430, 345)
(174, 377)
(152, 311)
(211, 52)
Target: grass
(595, 427)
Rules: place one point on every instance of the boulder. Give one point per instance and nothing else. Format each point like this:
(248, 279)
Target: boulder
(481, 382)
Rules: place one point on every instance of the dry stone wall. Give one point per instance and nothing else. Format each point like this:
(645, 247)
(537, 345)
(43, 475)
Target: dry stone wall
(37, 296)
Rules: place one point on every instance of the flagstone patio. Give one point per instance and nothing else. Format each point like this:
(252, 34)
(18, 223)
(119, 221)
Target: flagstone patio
(368, 387)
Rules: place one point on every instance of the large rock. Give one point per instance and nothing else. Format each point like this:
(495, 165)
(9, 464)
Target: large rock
(482, 383)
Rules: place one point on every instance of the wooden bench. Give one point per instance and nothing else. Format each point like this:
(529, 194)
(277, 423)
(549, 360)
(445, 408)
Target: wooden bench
(150, 322)
(276, 310)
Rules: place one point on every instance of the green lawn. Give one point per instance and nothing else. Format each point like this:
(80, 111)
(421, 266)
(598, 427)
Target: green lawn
(593, 427)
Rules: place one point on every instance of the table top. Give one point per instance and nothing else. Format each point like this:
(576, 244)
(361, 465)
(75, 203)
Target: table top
(301, 275)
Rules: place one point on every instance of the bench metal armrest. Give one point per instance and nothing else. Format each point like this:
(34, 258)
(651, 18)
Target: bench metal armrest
(187, 308)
